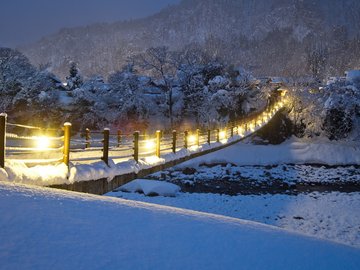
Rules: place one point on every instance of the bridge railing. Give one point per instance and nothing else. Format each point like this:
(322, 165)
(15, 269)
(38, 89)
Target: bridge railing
(49, 146)
(38, 146)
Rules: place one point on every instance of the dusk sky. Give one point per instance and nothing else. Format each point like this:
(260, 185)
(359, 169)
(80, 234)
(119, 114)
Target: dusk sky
(23, 21)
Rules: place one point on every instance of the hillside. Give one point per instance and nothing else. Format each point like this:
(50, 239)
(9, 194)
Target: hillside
(266, 37)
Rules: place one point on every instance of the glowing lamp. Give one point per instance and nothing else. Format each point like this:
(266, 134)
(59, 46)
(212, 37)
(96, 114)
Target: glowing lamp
(150, 145)
(42, 143)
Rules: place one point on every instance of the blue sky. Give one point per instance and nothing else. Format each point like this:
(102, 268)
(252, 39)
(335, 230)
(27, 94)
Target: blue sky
(23, 21)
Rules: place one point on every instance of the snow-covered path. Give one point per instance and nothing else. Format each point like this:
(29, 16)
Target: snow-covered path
(51, 229)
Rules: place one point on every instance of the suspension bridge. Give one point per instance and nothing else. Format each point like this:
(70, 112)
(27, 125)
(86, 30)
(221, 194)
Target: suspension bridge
(159, 151)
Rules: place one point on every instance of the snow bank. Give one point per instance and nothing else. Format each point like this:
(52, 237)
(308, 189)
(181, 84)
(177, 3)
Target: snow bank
(17, 171)
(293, 151)
(51, 229)
(151, 187)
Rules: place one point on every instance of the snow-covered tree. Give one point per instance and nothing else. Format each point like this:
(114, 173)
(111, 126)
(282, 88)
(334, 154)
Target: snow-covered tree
(74, 80)
(16, 74)
(127, 90)
(317, 56)
(330, 111)
(159, 63)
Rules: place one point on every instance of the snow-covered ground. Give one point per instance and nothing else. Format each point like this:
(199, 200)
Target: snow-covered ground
(50, 229)
(329, 215)
(293, 151)
(334, 216)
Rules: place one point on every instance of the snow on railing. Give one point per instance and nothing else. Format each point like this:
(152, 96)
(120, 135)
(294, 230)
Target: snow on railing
(53, 146)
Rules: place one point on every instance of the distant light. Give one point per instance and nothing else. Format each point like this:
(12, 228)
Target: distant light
(283, 92)
(222, 135)
(43, 143)
(241, 131)
(192, 139)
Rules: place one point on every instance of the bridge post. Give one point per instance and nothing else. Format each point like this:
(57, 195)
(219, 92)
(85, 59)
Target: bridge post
(67, 136)
(118, 138)
(105, 156)
(87, 138)
(186, 135)
(198, 137)
(209, 136)
(218, 135)
(3, 118)
(136, 146)
(158, 139)
(232, 131)
(174, 141)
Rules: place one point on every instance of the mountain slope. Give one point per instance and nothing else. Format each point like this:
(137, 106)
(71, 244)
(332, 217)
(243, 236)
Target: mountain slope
(265, 36)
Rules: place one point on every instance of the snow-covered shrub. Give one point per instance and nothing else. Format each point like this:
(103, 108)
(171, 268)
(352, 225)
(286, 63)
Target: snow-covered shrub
(218, 82)
(337, 123)
(222, 102)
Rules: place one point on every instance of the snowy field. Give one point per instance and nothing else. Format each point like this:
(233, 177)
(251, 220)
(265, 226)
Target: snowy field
(334, 216)
(52, 229)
